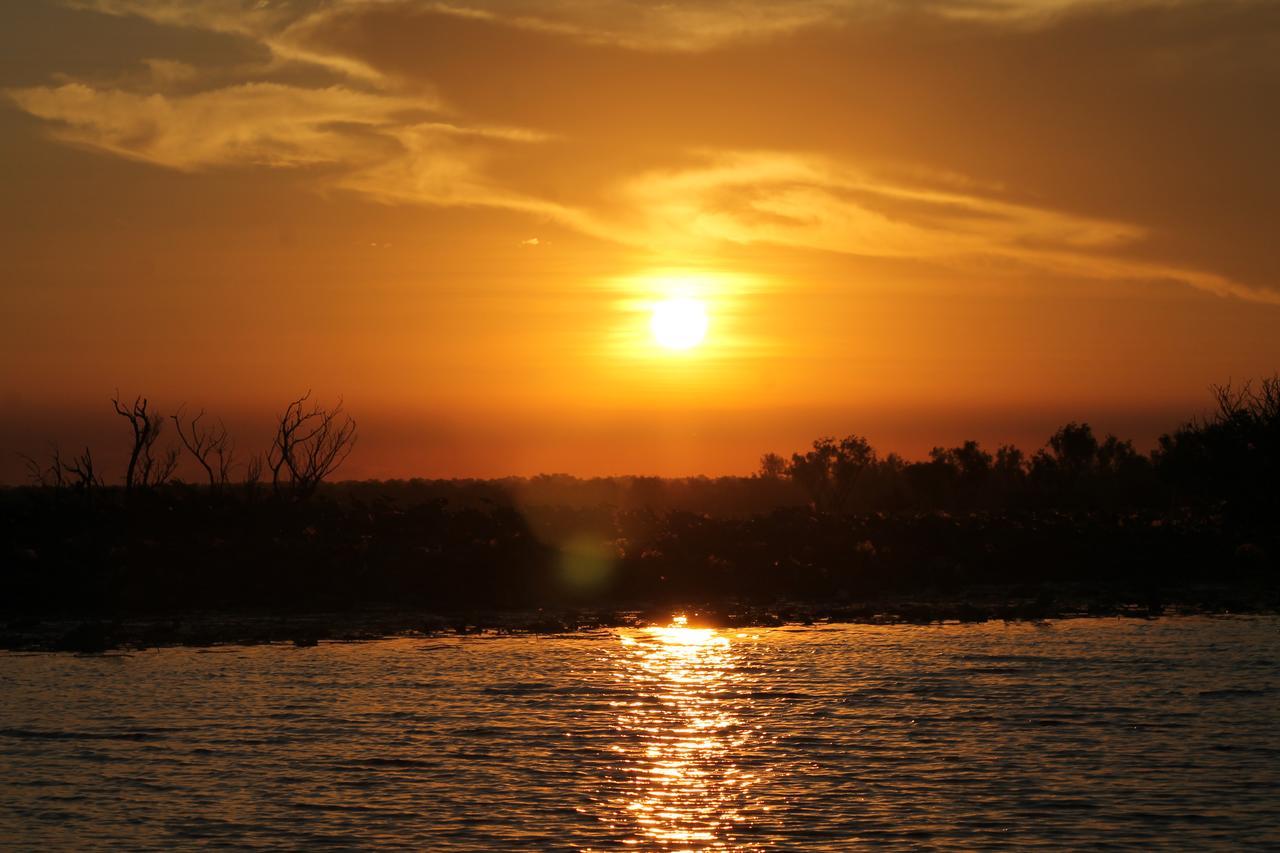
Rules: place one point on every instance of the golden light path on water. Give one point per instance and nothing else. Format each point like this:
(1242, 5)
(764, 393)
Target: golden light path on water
(680, 738)
(987, 736)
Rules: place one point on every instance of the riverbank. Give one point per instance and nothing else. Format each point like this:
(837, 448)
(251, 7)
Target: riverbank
(203, 629)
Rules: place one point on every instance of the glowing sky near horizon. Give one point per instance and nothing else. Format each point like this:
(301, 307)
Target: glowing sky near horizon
(920, 221)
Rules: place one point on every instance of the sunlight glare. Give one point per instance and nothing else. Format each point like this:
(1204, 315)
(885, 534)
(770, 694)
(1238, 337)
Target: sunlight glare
(679, 323)
(682, 738)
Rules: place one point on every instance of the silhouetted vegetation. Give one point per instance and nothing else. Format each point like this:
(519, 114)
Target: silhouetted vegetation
(209, 445)
(146, 469)
(1085, 519)
(310, 443)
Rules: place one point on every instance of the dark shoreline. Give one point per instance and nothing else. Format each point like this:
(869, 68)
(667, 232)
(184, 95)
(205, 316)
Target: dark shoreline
(134, 633)
(183, 565)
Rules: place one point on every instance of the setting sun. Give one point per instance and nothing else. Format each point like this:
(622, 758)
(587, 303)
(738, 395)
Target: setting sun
(679, 323)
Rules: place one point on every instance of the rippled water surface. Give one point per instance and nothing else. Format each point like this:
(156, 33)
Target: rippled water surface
(1078, 733)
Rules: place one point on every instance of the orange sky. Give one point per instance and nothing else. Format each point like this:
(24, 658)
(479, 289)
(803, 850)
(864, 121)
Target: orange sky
(922, 221)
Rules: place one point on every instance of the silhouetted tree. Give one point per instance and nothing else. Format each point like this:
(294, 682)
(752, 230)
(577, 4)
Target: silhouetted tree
(82, 475)
(1010, 462)
(772, 466)
(830, 470)
(954, 476)
(1074, 449)
(253, 474)
(973, 464)
(210, 445)
(309, 445)
(933, 483)
(50, 475)
(1231, 457)
(1008, 475)
(146, 469)
(78, 473)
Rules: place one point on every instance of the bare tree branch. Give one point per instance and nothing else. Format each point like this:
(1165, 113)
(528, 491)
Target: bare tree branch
(145, 470)
(310, 443)
(41, 475)
(210, 445)
(81, 468)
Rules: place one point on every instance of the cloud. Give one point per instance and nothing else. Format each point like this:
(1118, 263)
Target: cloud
(639, 25)
(374, 144)
(166, 73)
(444, 165)
(278, 25)
(283, 25)
(811, 202)
(263, 124)
(1101, 140)
(698, 25)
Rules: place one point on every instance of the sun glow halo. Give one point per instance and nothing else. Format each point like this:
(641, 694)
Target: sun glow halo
(679, 323)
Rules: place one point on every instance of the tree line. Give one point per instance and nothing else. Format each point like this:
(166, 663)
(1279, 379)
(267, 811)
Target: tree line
(1228, 460)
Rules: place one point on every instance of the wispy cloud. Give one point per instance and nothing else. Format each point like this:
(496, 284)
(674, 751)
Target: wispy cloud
(265, 124)
(642, 25)
(813, 202)
(284, 25)
(278, 25)
(398, 141)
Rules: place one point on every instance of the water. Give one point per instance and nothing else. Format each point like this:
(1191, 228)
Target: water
(1080, 733)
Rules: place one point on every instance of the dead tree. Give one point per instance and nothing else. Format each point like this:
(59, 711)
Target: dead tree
(309, 445)
(52, 475)
(1247, 405)
(83, 477)
(252, 474)
(210, 445)
(253, 470)
(146, 469)
(78, 474)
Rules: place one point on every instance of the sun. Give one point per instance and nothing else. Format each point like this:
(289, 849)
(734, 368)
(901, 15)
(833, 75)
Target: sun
(679, 323)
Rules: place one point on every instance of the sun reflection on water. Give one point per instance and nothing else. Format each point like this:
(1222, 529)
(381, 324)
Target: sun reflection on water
(680, 736)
